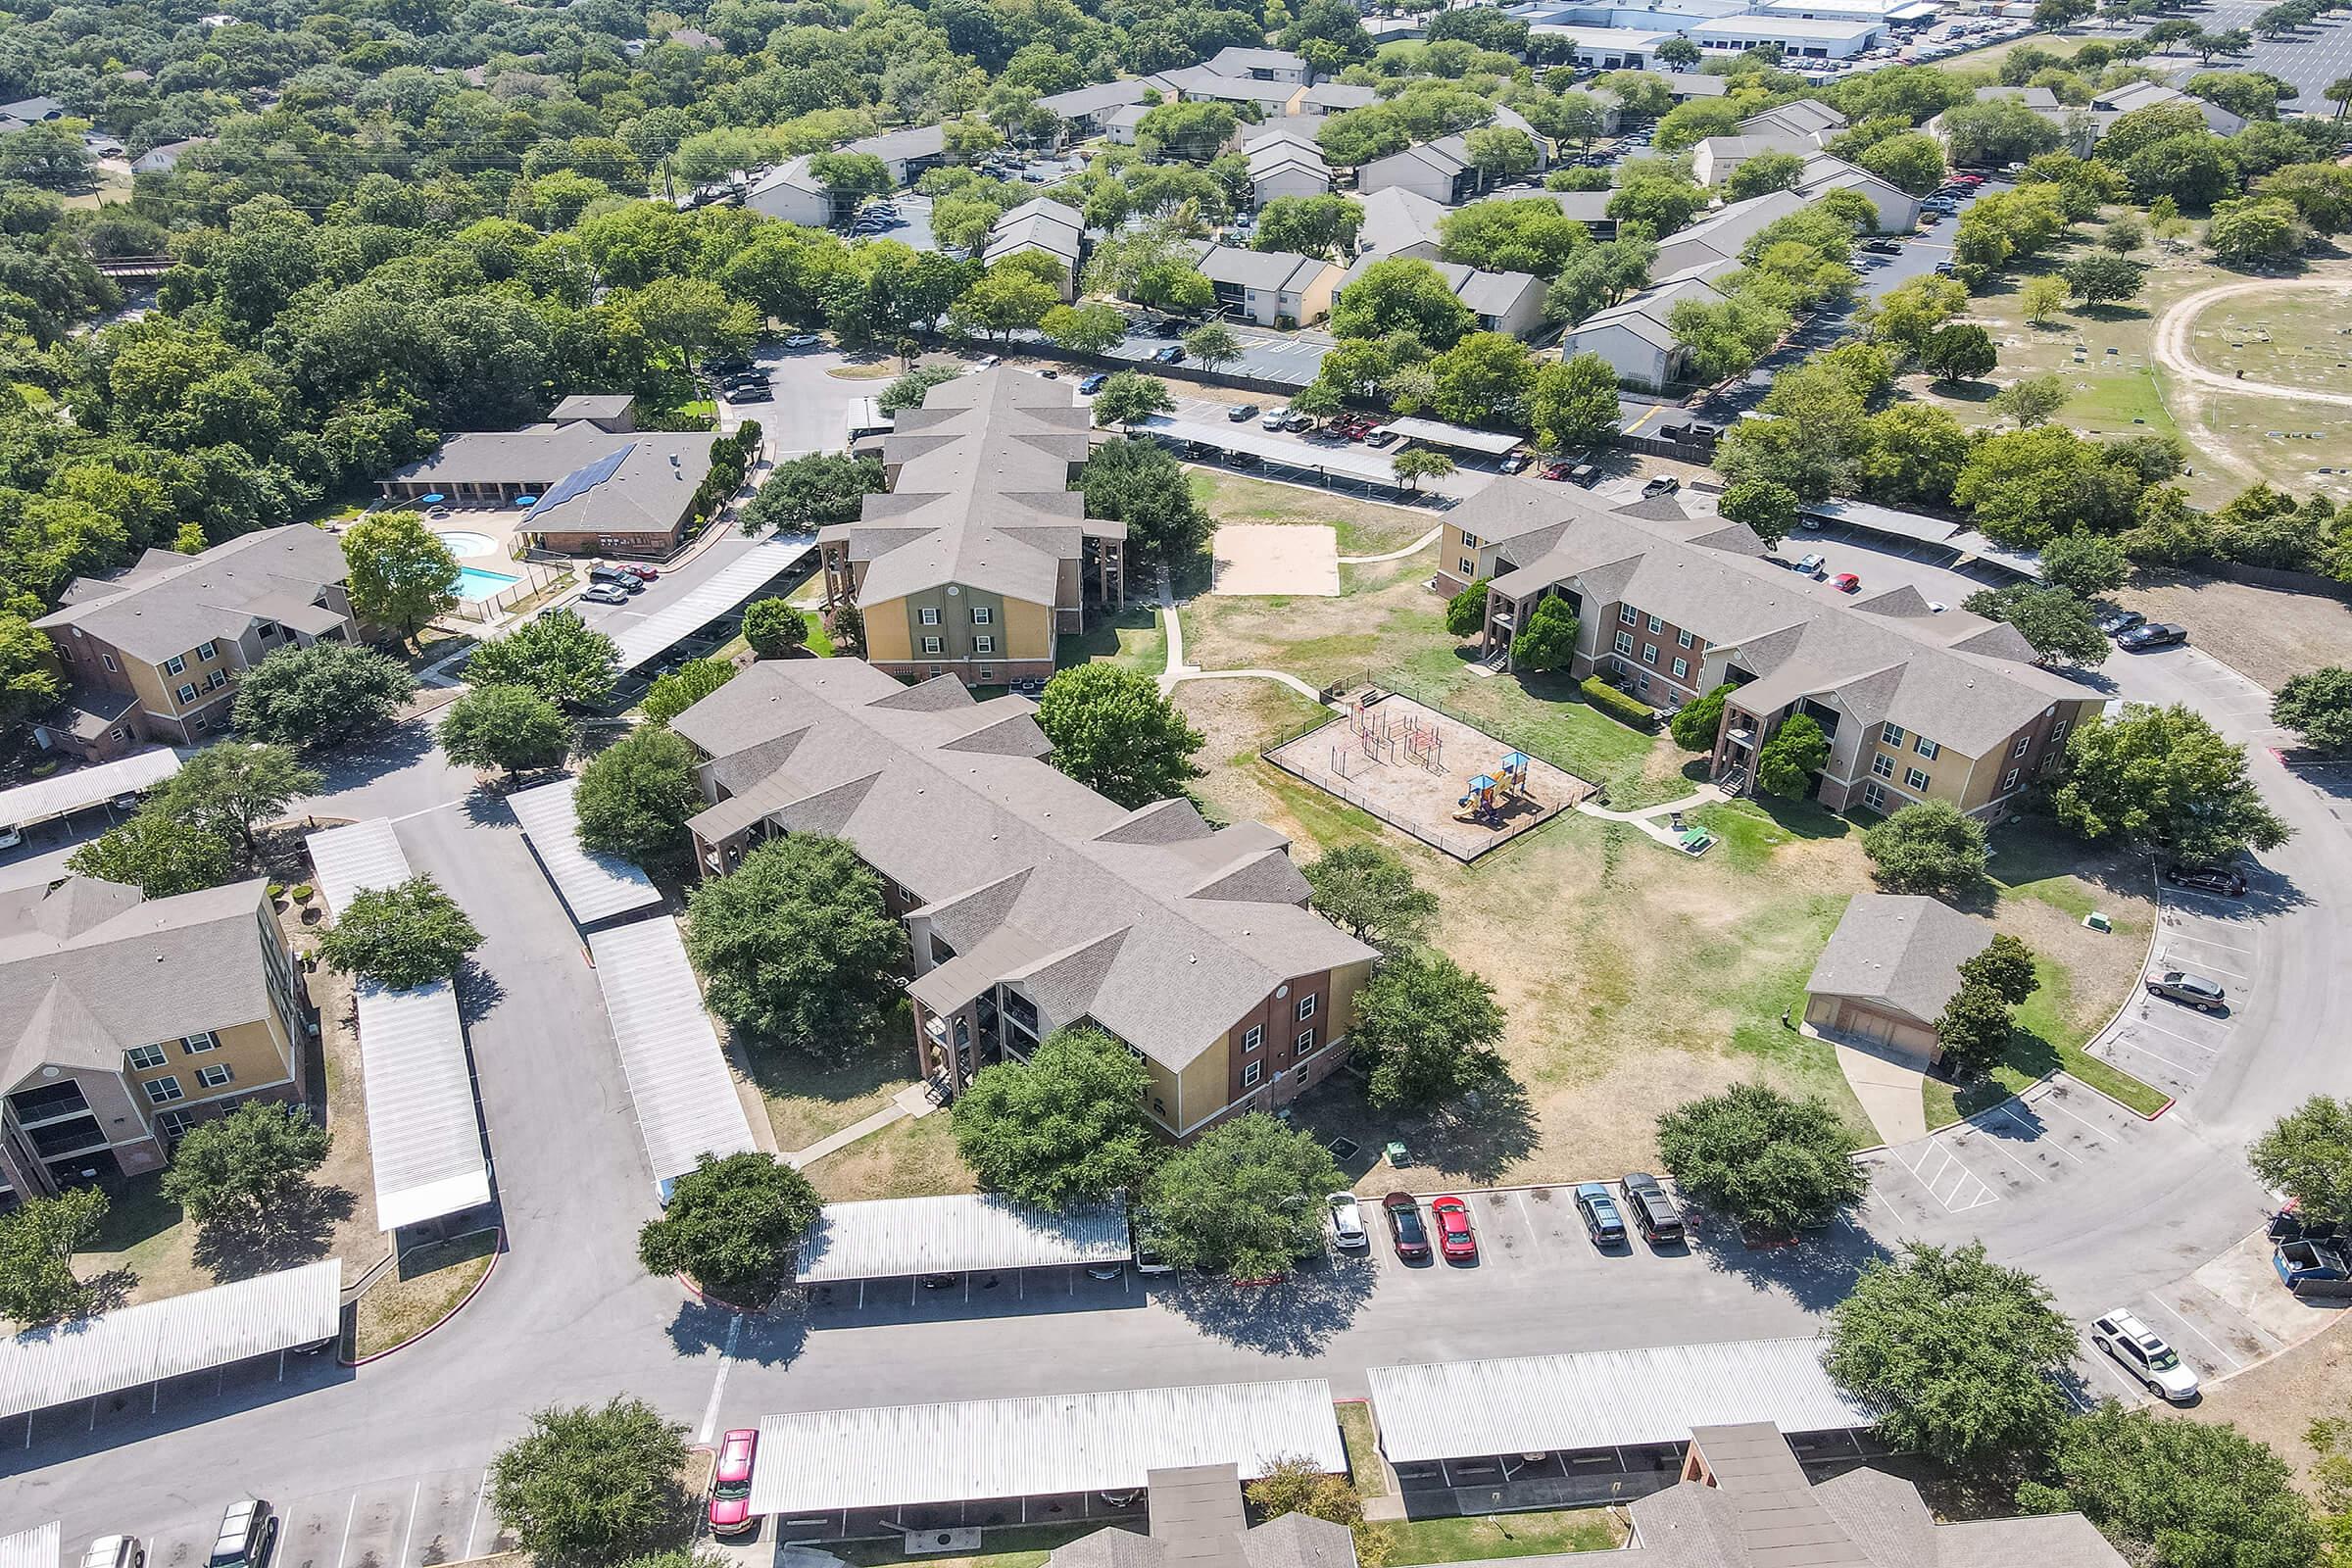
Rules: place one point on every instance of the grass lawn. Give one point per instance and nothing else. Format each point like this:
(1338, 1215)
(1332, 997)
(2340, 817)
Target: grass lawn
(2300, 348)
(912, 1158)
(1547, 716)
(809, 1100)
(1013, 1546)
(1364, 528)
(1364, 1449)
(1133, 639)
(878, 369)
(427, 1283)
(1507, 1534)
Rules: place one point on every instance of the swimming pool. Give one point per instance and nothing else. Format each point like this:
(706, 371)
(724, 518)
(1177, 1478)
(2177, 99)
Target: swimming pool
(474, 583)
(464, 542)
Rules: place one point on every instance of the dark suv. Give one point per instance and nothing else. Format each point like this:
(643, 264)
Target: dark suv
(2207, 879)
(248, 1536)
(1660, 1222)
(629, 582)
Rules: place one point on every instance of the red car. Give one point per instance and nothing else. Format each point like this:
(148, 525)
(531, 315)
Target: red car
(731, 1487)
(1559, 470)
(636, 569)
(1456, 1239)
(1846, 582)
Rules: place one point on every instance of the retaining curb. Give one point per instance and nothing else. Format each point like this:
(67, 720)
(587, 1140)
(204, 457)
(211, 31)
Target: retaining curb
(496, 1253)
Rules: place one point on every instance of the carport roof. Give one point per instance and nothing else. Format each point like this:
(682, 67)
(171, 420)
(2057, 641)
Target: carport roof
(594, 886)
(1437, 433)
(715, 596)
(36, 1547)
(46, 798)
(87, 1358)
(678, 1079)
(1037, 1447)
(1605, 1399)
(892, 1238)
(1347, 462)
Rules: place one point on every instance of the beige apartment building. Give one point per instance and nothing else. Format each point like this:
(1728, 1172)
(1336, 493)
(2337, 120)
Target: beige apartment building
(1031, 903)
(1918, 703)
(153, 655)
(133, 1018)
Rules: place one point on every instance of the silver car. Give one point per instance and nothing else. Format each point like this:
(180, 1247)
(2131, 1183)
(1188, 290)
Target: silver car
(1348, 1232)
(2194, 990)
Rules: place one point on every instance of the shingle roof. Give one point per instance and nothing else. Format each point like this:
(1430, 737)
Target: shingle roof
(590, 479)
(1040, 225)
(916, 141)
(1492, 294)
(1804, 116)
(592, 405)
(1093, 99)
(1728, 229)
(1898, 951)
(1239, 60)
(1150, 922)
(1397, 219)
(1283, 271)
(168, 604)
(1338, 97)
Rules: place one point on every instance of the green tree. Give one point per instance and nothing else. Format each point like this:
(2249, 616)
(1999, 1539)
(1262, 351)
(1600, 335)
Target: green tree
(1416, 464)
(2098, 277)
(1141, 483)
(2254, 228)
(402, 576)
(2030, 399)
(1911, 162)
(1066, 1126)
(1573, 403)
(1763, 175)
(246, 1170)
(1245, 1199)
(1005, 299)
(1483, 379)
(2317, 705)
(588, 1485)
(1961, 353)
(796, 947)
(1766, 1161)
(1927, 846)
(28, 681)
(1129, 396)
(1768, 510)
(1797, 751)
(1513, 236)
(403, 936)
(636, 795)
(2182, 1494)
(1299, 1485)
(1695, 723)
(2005, 968)
(510, 728)
(2053, 621)
(1095, 329)
(321, 695)
(1308, 226)
(232, 790)
(557, 655)
(2084, 564)
(2041, 296)
(1466, 611)
(907, 392)
(774, 628)
(806, 493)
(733, 1225)
(1547, 641)
(156, 853)
(2307, 1155)
(2162, 777)
(673, 694)
(38, 1239)
(1369, 893)
(1658, 202)
(1212, 344)
(1113, 732)
(1427, 1028)
(1973, 1031)
(1403, 294)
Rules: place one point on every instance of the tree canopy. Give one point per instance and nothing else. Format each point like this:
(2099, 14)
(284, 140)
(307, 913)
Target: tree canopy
(511, 728)
(1112, 731)
(244, 1170)
(1367, 891)
(401, 575)
(324, 695)
(1427, 1028)
(1244, 1198)
(2181, 1492)
(399, 936)
(1066, 1126)
(156, 853)
(796, 947)
(2307, 1155)
(636, 795)
(557, 655)
(805, 493)
(1141, 483)
(1927, 846)
(590, 1485)
(38, 1239)
(2165, 778)
(1764, 1159)
(733, 1225)
(674, 692)
(2317, 705)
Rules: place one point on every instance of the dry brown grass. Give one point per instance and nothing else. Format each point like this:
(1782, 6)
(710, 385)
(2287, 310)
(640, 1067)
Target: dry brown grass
(1364, 528)
(2266, 634)
(912, 1158)
(2278, 1401)
(420, 1290)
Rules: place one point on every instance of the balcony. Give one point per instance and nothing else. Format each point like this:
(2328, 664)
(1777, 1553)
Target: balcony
(42, 1107)
(59, 1140)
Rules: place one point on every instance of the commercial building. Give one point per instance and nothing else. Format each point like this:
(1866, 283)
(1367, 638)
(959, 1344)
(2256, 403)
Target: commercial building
(1917, 703)
(980, 554)
(1800, 38)
(1890, 968)
(153, 655)
(590, 482)
(1031, 903)
(131, 1020)
(1271, 288)
(1600, 47)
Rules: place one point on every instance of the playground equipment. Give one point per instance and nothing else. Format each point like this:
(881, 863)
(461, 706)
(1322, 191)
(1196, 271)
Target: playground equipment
(1514, 773)
(1483, 804)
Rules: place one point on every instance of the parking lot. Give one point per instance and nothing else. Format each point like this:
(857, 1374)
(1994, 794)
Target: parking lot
(2310, 56)
(427, 1519)
(2056, 1132)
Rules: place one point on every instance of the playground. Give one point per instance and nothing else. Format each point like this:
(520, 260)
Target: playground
(1454, 788)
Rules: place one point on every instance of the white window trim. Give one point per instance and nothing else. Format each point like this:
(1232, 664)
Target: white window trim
(175, 665)
(1627, 615)
(1925, 747)
(131, 1058)
(2023, 742)
(216, 1075)
(186, 692)
(1890, 734)
(1253, 1073)
(983, 643)
(1916, 781)
(932, 645)
(1682, 669)
(1683, 639)
(1305, 1045)
(1649, 653)
(982, 615)
(928, 615)
(1254, 1037)
(212, 1041)
(2009, 780)
(1657, 626)
(1467, 567)
(1625, 642)
(1306, 1006)
(207, 652)
(1882, 765)
(165, 1089)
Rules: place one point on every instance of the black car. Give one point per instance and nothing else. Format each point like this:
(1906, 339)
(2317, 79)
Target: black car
(1173, 354)
(1654, 1212)
(1602, 1223)
(2207, 879)
(1665, 484)
(1406, 1230)
(2117, 621)
(1881, 247)
(2155, 634)
(629, 582)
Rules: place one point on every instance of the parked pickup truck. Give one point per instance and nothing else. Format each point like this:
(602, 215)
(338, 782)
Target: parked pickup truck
(2313, 1270)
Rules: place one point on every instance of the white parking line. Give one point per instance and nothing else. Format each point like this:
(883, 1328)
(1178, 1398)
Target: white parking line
(348, 1514)
(2050, 1103)
(2011, 1158)
(2035, 1133)
(408, 1534)
(2198, 1074)
(2171, 1312)
(2107, 1364)
(2164, 959)
(2208, 942)
(2147, 1023)
(481, 1489)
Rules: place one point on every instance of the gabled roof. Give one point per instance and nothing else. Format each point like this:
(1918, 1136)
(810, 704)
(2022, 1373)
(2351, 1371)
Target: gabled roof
(1809, 118)
(167, 603)
(1822, 172)
(1093, 99)
(588, 479)
(1285, 272)
(1135, 919)
(790, 175)
(1900, 952)
(1397, 219)
(1492, 294)
(1645, 314)
(1338, 97)
(1039, 223)
(1727, 229)
(1238, 60)
(916, 141)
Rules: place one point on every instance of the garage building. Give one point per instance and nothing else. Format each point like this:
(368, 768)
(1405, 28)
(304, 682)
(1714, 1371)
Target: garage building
(1890, 966)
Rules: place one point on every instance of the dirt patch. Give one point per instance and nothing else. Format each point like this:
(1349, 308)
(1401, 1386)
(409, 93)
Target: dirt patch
(2277, 1401)
(809, 1100)
(2266, 634)
(914, 1158)
(1260, 559)
(1364, 528)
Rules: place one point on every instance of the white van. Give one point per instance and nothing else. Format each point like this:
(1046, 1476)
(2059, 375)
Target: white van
(115, 1552)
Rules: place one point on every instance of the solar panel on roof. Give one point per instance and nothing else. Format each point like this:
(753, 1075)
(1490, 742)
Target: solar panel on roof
(581, 480)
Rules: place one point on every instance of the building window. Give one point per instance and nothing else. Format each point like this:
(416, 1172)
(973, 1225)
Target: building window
(1682, 668)
(206, 653)
(1468, 567)
(266, 631)
(1893, 734)
(1684, 639)
(983, 643)
(1656, 625)
(174, 1124)
(1628, 615)
(2019, 750)
(1306, 1006)
(2009, 780)
(1882, 766)
(64, 653)
(982, 615)
(108, 660)
(1914, 779)
(1305, 1045)
(2059, 733)
(204, 1039)
(1254, 1037)
(1874, 796)
(163, 1091)
(988, 673)
(1251, 1073)
(202, 724)
(932, 645)
(216, 680)
(175, 666)
(935, 672)
(930, 615)
(1925, 747)
(1625, 642)
(187, 692)
(1643, 685)
(216, 1076)
(1469, 541)
(1650, 653)
(144, 1058)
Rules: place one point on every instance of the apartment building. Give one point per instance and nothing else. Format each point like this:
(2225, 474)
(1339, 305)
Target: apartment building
(1271, 288)
(980, 554)
(153, 655)
(133, 1018)
(1031, 903)
(1918, 703)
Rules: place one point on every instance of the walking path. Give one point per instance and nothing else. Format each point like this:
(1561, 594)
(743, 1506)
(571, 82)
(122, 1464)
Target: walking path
(914, 1101)
(1178, 671)
(2171, 340)
(1654, 821)
(1414, 548)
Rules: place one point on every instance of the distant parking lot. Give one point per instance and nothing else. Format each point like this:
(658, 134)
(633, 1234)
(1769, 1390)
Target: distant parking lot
(2310, 57)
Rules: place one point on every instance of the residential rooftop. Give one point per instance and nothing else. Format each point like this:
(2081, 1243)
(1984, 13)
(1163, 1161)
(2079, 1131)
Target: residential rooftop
(1901, 952)
(166, 603)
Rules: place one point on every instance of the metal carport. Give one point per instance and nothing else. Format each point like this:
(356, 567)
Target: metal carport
(719, 593)
(678, 1080)
(83, 787)
(912, 1238)
(36, 1547)
(593, 885)
(1437, 433)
